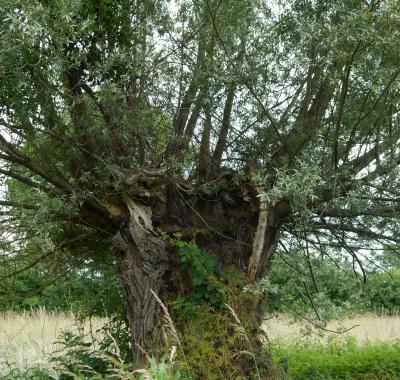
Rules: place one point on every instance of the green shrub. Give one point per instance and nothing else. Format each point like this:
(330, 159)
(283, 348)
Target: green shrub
(335, 290)
(163, 369)
(339, 359)
(204, 274)
(383, 291)
(90, 291)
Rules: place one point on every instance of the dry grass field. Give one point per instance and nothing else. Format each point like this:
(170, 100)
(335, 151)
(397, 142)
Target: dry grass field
(28, 338)
(364, 328)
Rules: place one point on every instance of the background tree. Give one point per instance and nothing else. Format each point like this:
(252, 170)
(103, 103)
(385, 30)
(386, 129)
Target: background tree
(244, 125)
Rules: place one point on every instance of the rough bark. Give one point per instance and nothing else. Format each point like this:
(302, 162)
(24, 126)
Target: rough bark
(142, 261)
(230, 223)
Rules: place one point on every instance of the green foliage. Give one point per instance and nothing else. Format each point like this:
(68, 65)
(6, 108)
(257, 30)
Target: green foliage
(201, 265)
(81, 357)
(205, 277)
(87, 291)
(78, 357)
(211, 337)
(163, 369)
(383, 291)
(86, 86)
(331, 287)
(35, 373)
(116, 338)
(209, 341)
(297, 185)
(340, 360)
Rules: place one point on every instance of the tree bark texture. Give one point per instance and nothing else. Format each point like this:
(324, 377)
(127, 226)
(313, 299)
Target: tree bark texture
(232, 224)
(142, 261)
(141, 268)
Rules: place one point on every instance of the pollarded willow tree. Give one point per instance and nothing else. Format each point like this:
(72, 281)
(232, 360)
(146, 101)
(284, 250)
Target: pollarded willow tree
(245, 124)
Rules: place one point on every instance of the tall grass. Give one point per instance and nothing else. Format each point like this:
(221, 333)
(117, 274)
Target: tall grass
(368, 351)
(364, 328)
(28, 337)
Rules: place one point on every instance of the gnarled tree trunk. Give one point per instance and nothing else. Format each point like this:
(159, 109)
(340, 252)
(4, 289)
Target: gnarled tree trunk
(232, 224)
(142, 261)
(141, 268)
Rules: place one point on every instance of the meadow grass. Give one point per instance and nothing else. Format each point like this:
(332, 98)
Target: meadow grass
(28, 338)
(364, 328)
(369, 351)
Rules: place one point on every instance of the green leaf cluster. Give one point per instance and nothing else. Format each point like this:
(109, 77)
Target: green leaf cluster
(205, 277)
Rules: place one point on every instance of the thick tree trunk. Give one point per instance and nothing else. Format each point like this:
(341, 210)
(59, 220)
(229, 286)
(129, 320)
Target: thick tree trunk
(227, 224)
(141, 268)
(142, 261)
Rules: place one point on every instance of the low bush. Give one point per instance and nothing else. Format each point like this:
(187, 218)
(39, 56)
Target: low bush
(339, 359)
(383, 291)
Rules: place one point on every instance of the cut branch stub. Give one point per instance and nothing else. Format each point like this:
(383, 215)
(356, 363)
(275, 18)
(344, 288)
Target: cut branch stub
(266, 238)
(140, 225)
